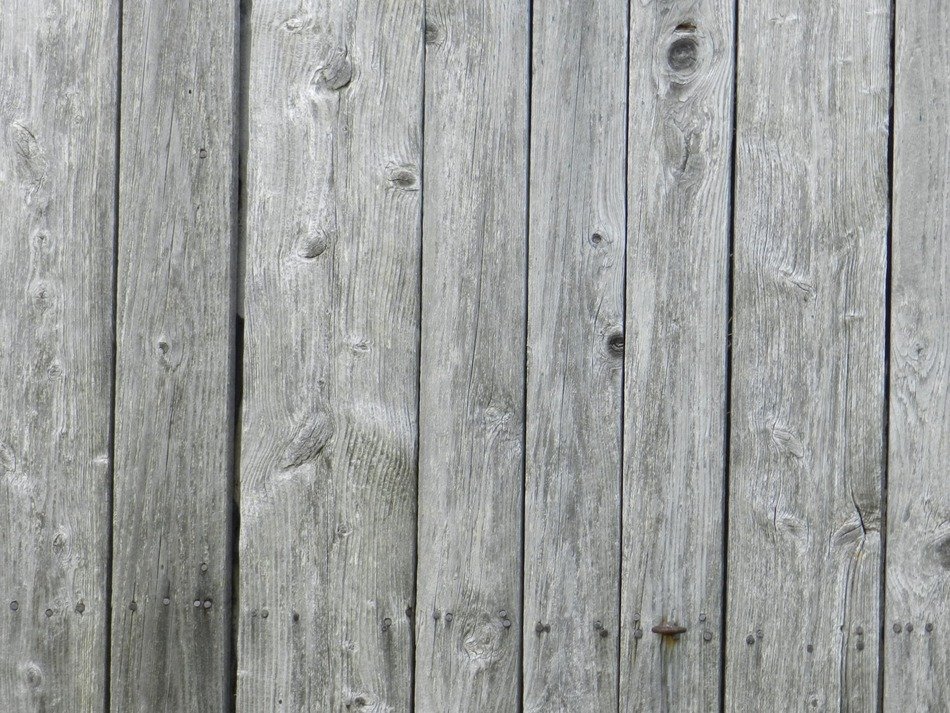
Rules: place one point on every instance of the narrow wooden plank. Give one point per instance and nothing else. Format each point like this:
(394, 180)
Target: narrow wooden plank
(58, 80)
(577, 233)
(917, 625)
(680, 155)
(171, 571)
(328, 464)
(811, 217)
(468, 655)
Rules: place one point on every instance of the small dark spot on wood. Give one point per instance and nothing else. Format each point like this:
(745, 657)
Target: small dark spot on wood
(683, 54)
(814, 702)
(758, 634)
(295, 617)
(596, 238)
(359, 701)
(403, 178)
(163, 347)
(49, 613)
(449, 616)
(615, 343)
(604, 633)
(133, 606)
(14, 605)
(264, 613)
(202, 153)
(750, 639)
(859, 630)
(80, 608)
(909, 627)
(810, 648)
(338, 71)
(685, 27)
(506, 623)
(409, 612)
(541, 628)
(34, 677)
(431, 34)
(897, 628)
(942, 551)
(860, 645)
(638, 633)
(387, 622)
(928, 627)
(636, 617)
(436, 615)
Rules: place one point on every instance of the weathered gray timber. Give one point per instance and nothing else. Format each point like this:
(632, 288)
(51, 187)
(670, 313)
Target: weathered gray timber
(468, 655)
(917, 621)
(811, 216)
(577, 233)
(679, 193)
(174, 358)
(328, 461)
(57, 188)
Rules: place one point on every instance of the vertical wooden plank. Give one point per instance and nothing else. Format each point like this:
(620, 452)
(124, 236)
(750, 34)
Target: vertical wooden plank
(680, 153)
(473, 347)
(577, 232)
(917, 645)
(811, 217)
(171, 575)
(328, 464)
(58, 78)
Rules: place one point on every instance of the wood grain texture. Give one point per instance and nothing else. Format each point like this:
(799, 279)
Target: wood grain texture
(174, 359)
(680, 151)
(811, 216)
(577, 233)
(473, 348)
(328, 465)
(917, 622)
(57, 185)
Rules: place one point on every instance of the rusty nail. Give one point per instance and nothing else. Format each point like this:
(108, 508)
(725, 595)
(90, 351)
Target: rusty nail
(668, 630)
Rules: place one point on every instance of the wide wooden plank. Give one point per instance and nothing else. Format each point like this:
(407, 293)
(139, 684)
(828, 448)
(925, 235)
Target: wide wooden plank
(58, 80)
(577, 232)
(680, 161)
(917, 624)
(473, 347)
(811, 216)
(328, 462)
(174, 360)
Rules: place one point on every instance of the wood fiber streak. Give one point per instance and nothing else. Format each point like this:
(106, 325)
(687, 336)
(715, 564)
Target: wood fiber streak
(811, 216)
(329, 432)
(57, 186)
(473, 357)
(174, 358)
(917, 622)
(575, 356)
(679, 157)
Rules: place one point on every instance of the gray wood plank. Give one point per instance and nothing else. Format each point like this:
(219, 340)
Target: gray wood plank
(473, 348)
(328, 463)
(577, 233)
(174, 359)
(58, 79)
(680, 155)
(917, 622)
(811, 217)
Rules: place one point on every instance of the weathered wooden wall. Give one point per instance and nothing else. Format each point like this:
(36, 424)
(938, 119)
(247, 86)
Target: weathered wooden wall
(495, 355)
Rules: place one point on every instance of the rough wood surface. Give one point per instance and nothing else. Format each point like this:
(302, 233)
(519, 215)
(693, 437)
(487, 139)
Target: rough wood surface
(811, 215)
(328, 462)
(917, 621)
(57, 188)
(468, 655)
(171, 569)
(575, 353)
(680, 154)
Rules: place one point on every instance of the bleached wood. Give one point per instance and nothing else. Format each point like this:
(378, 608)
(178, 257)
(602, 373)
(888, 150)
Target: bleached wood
(174, 358)
(917, 622)
(57, 209)
(328, 461)
(473, 357)
(680, 164)
(811, 217)
(575, 355)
